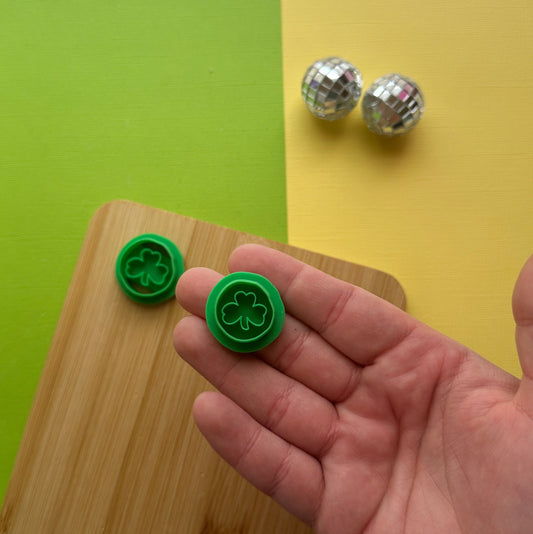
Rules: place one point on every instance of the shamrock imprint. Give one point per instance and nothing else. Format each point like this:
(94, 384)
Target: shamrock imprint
(244, 309)
(149, 268)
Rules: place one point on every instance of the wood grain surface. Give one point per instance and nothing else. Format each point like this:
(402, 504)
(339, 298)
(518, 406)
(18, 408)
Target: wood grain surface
(110, 445)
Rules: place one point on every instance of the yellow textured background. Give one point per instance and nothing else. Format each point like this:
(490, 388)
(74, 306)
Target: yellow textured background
(446, 209)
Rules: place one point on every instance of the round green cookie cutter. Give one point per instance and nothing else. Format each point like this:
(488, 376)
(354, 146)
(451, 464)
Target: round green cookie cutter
(244, 312)
(148, 268)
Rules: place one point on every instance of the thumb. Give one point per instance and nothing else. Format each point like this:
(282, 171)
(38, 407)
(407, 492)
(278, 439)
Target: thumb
(523, 315)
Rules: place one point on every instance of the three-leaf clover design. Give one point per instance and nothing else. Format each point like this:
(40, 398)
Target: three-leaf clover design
(245, 310)
(148, 268)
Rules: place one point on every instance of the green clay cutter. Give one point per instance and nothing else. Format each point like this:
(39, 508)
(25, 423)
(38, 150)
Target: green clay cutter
(148, 268)
(244, 312)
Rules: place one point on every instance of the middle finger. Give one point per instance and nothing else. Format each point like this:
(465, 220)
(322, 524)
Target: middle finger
(299, 352)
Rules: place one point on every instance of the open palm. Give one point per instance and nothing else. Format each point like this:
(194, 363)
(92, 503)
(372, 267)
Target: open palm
(359, 418)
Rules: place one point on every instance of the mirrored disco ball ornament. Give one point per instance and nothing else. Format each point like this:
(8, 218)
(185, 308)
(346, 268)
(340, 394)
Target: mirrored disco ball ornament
(331, 88)
(392, 105)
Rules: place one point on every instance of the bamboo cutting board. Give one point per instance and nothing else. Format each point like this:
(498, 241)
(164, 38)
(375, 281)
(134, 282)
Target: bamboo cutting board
(110, 445)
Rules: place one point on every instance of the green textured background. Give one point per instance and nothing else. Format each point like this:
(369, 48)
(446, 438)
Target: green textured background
(170, 103)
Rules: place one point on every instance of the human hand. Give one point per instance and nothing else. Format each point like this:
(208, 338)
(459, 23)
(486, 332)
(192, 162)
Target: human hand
(359, 418)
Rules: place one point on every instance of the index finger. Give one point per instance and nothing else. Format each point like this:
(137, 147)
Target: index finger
(357, 323)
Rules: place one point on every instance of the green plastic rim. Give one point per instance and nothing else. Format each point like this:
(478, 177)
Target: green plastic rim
(148, 268)
(244, 312)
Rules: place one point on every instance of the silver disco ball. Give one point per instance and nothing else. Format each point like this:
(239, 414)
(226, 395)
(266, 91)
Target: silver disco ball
(331, 88)
(392, 105)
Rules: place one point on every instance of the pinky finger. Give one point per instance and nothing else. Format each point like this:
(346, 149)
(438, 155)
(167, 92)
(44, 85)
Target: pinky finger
(282, 471)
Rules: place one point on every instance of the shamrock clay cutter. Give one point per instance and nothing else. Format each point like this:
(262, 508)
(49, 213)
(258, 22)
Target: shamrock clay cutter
(244, 312)
(148, 268)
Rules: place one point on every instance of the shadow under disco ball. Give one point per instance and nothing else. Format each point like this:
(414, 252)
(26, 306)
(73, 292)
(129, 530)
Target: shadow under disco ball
(331, 88)
(392, 105)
